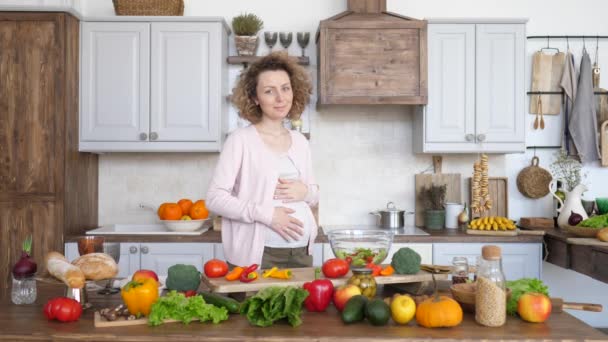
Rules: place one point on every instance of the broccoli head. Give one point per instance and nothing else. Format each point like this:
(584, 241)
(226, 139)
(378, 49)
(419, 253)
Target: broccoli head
(183, 278)
(406, 261)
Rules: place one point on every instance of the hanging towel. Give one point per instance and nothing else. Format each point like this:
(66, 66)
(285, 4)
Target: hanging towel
(583, 121)
(569, 86)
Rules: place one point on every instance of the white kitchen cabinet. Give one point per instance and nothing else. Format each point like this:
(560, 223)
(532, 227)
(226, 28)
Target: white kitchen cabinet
(519, 260)
(424, 249)
(154, 256)
(476, 88)
(153, 86)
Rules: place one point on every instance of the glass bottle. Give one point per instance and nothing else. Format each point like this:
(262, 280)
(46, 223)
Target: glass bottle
(460, 270)
(364, 280)
(491, 294)
(24, 290)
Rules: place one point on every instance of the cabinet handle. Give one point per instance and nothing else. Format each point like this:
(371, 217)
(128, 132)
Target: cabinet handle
(469, 137)
(143, 136)
(481, 137)
(144, 250)
(153, 136)
(132, 249)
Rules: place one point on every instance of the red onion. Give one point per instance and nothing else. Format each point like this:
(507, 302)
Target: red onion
(25, 267)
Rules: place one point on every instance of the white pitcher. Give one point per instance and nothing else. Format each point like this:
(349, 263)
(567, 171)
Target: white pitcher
(573, 203)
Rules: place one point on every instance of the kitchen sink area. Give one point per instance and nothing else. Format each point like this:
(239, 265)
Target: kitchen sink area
(142, 229)
(407, 230)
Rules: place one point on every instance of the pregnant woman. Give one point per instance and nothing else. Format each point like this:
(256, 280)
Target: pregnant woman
(263, 185)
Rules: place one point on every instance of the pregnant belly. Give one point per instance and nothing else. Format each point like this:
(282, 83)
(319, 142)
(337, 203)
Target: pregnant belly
(303, 214)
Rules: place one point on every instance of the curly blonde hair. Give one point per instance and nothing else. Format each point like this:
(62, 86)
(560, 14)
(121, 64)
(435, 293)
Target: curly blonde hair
(245, 91)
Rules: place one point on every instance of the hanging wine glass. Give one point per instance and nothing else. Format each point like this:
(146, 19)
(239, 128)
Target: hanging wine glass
(303, 40)
(286, 38)
(271, 39)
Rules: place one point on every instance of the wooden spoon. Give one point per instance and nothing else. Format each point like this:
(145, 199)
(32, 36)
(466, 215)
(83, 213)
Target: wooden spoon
(558, 305)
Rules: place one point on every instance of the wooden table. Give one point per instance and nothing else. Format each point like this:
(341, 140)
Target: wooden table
(27, 323)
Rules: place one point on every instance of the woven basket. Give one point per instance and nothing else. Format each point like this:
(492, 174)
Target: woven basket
(581, 231)
(149, 7)
(533, 181)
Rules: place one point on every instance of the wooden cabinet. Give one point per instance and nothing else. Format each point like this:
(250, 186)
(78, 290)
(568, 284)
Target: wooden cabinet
(519, 260)
(47, 188)
(370, 56)
(476, 89)
(153, 86)
(157, 257)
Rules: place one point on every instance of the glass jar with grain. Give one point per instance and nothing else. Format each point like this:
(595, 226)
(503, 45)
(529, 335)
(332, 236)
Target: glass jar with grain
(491, 294)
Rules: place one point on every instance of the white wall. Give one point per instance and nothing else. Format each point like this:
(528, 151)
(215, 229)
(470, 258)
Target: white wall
(362, 155)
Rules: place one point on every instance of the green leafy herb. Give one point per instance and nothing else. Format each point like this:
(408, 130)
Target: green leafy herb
(521, 286)
(274, 303)
(184, 309)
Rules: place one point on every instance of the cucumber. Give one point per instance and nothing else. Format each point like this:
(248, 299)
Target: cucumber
(221, 301)
(354, 311)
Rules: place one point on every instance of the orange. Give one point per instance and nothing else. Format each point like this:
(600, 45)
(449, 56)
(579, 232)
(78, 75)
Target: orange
(199, 211)
(172, 211)
(160, 210)
(185, 204)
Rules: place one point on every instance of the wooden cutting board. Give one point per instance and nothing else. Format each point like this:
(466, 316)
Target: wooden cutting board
(100, 322)
(547, 72)
(515, 232)
(604, 142)
(453, 194)
(498, 188)
(303, 275)
(536, 222)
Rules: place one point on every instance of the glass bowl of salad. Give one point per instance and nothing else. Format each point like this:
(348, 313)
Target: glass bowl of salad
(361, 246)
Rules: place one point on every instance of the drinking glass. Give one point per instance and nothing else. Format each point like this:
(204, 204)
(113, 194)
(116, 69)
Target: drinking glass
(286, 38)
(112, 249)
(90, 244)
(271, 39)
(303, 40)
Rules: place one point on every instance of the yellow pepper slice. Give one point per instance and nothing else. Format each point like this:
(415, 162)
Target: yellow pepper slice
(269, 272)
(281, 274)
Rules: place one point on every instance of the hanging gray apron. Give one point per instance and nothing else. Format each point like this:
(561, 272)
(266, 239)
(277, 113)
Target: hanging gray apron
(583, 121)
(568, 84)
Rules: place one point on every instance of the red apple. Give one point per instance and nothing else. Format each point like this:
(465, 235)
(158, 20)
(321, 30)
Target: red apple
(343, 293)
(534, 307)
(143, 274)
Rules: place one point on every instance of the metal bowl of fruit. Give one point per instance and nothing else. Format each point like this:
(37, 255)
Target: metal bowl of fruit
(361, 246)
(184, 225)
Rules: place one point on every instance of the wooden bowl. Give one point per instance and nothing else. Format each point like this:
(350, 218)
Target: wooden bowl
(464, 294)
(581, 231)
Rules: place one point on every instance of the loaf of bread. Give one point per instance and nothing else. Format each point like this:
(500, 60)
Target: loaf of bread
(97, 266)
(59, 267)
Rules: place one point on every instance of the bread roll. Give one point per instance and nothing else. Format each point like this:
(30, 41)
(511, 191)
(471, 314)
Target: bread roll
(97, 266)
(60, 268)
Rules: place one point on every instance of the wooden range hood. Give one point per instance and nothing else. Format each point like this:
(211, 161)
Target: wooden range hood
(367, 55)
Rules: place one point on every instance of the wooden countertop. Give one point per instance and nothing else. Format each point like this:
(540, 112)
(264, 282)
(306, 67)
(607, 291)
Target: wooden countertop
(27, 322)
(440, 236)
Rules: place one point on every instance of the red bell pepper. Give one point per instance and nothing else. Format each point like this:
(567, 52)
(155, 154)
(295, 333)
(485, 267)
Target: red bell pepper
(249, 274)
(320, 292)
(376, 269)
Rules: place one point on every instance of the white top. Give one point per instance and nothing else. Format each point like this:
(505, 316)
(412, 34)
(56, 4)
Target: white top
(288, 170)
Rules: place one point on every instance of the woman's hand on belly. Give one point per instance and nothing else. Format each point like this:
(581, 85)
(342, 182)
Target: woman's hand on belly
(290, 190)
(285, 225)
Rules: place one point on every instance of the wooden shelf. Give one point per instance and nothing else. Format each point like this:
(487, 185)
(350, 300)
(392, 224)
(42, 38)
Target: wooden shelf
(245, 60)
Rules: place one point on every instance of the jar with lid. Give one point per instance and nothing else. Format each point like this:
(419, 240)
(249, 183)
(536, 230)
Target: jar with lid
(364, 280)
(491, 294)
(460, 270)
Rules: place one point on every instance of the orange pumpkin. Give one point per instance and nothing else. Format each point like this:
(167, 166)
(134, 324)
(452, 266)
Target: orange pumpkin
(185, 204)
(438, 312)
(161, 209)
(199, 211)
(172, 211)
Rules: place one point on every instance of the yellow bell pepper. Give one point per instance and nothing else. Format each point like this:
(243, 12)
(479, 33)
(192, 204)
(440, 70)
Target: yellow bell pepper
(139, 295)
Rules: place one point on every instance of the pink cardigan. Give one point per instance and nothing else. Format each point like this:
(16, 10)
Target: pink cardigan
(242, 189)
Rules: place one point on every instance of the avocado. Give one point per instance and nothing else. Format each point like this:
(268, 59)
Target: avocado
(354, 311)
(377, 312)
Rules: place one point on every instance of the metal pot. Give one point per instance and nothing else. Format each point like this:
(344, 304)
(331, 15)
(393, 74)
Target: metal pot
(391, 218)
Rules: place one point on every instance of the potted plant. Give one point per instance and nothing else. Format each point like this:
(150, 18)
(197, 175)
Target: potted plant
(246, 27)
(433, 198)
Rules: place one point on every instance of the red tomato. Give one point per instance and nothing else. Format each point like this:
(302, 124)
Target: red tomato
(63, 309)
(335, 268)
(216, 268)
